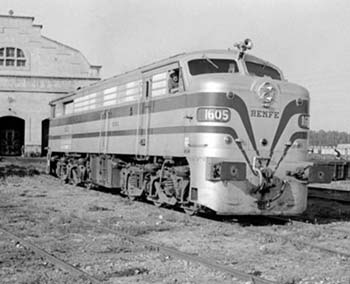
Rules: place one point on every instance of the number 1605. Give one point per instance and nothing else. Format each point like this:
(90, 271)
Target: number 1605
(213, 114)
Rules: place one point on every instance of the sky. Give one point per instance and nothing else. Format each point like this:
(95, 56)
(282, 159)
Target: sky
(308, 39)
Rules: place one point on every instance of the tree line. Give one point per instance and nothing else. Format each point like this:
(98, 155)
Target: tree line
(328, 138)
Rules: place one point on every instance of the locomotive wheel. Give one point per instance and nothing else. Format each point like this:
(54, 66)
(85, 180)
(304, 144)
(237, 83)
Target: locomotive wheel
(188, 206)
(61, 173)
(191, 209)
(58, 170)
(157, 202)
(131, 197)
(91, 186)
(128, 190)
(154, 197)
(75, 177)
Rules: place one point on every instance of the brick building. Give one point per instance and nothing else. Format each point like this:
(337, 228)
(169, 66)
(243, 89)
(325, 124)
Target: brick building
(33, 71)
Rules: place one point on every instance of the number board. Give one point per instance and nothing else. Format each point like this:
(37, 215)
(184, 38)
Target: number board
(214, 114)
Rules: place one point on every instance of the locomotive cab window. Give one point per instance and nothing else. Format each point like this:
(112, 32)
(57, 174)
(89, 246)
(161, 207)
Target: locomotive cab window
(262, 70)
(207, 65)
(167, 82)
(174, 81)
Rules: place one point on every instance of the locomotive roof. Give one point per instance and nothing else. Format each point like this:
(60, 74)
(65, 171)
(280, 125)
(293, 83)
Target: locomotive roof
(233, 53)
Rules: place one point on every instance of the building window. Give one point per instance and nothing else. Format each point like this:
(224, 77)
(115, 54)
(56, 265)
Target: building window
(21, 63)
(20, 53)
(12, 57)
(10, 62)
(10, 52)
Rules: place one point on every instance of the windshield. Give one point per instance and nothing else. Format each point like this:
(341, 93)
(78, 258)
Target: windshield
(262, 70)
(211, 65)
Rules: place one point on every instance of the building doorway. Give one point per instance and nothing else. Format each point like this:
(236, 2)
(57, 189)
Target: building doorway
(11, 136)
(44, 136)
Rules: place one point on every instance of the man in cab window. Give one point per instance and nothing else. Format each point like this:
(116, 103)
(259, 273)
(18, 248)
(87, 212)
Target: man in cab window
(173, 82)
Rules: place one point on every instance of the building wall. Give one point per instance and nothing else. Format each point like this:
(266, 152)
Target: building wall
(46, 70)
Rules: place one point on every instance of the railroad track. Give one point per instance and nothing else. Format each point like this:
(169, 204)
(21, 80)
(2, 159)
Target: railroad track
(303, 222)
(292, 239)
(54, 260)
(182, 255)
(147, 244)
(332, 194)
(289, 238)
(152, 246)
(213, 265)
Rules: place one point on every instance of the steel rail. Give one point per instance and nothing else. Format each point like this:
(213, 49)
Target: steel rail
(287, 238)
(182, 255)
(305, 243)
(302, 242)
(292, 240)
(186, 256)
(342, 230)
(54, 260)
(330, 198)
(331, 194)
(148, 245)
(293, 221)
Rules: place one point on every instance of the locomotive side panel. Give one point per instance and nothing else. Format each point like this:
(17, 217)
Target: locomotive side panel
(120, 133)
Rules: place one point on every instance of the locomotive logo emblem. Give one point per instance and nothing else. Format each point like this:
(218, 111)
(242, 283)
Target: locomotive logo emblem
(267, 92)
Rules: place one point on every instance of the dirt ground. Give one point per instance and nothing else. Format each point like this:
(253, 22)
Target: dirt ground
(47, 213)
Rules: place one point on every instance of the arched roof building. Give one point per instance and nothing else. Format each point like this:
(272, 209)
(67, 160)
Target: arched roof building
(34, 70)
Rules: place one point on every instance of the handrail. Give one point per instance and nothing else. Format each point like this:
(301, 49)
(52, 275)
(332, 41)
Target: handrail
(106, 132)
(100, 134)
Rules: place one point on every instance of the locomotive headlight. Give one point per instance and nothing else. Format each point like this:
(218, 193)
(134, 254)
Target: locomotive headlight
(267, 92)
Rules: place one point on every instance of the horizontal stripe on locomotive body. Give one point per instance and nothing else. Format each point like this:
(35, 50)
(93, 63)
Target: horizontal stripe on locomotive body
(152, 131)
(156, 105)
(197, 144)
(165, 104)
(168, 130)
(155, 120)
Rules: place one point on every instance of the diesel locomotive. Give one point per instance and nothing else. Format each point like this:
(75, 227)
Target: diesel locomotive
(218, 130)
